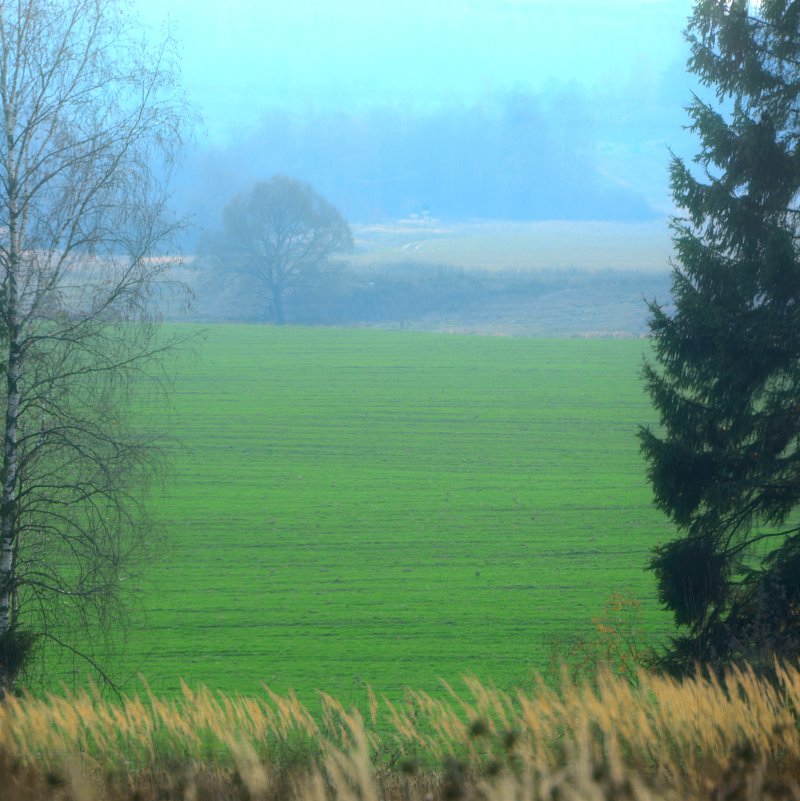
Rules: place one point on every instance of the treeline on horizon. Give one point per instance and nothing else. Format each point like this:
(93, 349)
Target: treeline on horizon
(517, 155)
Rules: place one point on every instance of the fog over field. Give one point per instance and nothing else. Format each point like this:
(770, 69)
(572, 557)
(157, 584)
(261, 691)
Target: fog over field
(471, 134)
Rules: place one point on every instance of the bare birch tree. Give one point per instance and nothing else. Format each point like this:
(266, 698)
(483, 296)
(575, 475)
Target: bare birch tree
(90, 118)
(278, 236)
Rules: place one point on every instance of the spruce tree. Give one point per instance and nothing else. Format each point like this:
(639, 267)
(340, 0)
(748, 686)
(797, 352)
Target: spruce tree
(725, 462)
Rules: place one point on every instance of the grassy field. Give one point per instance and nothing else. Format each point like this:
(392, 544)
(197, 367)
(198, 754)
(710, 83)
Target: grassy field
(554, 278)
(352, 507)
(506, 245)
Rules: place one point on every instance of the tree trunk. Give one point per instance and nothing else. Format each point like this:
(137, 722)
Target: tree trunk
(277, 305)
(8, 475)
(8, 497)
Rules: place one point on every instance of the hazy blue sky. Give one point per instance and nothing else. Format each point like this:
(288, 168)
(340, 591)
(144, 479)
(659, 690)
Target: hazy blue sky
(244, 56)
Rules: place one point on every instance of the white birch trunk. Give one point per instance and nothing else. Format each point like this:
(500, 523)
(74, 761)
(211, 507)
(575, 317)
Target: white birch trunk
(8, 474)
(8, 498)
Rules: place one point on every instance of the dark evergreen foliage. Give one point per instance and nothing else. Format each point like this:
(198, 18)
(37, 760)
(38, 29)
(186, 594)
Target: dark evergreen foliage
(16, 648)
(725, 462)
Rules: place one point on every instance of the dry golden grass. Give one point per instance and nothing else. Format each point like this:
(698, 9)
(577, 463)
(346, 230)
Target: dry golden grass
(737, 738)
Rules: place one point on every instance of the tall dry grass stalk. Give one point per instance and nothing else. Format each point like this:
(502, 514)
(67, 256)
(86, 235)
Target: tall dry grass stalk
(658, 739)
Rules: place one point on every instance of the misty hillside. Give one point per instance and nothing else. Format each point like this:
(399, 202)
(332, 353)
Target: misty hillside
(556, 153)
(563, 153)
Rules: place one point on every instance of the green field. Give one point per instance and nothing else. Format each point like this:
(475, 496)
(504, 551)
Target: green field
(352, 507)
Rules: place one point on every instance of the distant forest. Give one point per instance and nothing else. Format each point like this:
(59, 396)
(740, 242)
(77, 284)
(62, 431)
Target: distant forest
(562, 153)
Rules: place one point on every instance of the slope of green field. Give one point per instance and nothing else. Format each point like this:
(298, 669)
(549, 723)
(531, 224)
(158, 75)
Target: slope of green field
(352, 507)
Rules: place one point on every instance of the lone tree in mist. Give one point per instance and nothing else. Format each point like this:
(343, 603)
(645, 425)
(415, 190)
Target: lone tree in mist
(725, 462)
(279, 236)
(89, 114)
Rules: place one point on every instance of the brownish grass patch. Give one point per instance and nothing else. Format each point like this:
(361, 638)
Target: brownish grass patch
(735, 738)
